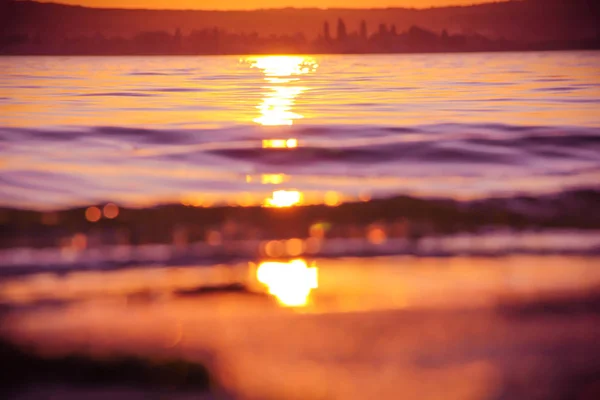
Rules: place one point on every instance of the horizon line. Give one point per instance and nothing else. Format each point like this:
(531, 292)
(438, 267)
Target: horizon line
(58, 2)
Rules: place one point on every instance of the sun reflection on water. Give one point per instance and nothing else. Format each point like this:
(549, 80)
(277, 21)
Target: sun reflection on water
(280, 73)
(276, 107)
(283, 66)
(284, 198)
(268, 179)
(273, 179)
(280, 143)
(290, 282)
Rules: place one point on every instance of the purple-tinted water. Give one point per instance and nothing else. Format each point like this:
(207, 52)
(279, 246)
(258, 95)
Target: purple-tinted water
(146, 130)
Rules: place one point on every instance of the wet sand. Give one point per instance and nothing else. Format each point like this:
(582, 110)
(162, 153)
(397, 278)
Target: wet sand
(455, 328)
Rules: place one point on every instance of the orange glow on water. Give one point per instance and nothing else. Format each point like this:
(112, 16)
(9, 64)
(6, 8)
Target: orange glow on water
(284, 198)
(291, 282)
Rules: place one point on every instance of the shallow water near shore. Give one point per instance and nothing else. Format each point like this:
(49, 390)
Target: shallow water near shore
(369, 320)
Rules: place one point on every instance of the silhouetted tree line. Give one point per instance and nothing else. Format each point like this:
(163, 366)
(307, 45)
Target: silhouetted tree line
(385, 39)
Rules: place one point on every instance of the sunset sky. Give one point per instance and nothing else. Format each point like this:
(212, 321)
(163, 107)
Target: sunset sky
(253, 4)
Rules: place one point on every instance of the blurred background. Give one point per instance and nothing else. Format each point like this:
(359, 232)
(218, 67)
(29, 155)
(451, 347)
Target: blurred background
(409, 211)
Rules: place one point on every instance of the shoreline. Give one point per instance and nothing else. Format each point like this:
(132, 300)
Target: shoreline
(541, 49)
(400, 217)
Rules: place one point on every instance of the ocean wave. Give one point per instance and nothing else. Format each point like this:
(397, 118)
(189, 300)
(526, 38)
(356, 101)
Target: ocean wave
(429, 143)
(436, 160)
(567, 135)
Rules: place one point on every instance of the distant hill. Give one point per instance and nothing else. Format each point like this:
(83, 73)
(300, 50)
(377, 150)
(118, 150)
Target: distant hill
(528, 20)
(31, 28)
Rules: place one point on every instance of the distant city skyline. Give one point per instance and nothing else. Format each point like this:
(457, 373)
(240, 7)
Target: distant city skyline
(44, 27)
(257, 4)
(334, 38)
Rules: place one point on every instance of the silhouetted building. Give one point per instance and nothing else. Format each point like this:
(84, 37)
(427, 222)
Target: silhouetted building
(33, 27)
(326, 33)
(217, 40)
(363, 29)
(341, 30)
(383, 30)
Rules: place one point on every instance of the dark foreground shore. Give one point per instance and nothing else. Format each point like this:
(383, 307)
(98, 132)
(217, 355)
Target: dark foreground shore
(29, 375)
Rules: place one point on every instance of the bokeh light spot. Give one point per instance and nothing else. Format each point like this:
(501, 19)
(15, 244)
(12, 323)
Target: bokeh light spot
(111, 211)
(79, 242)
(93, 214)
(332, 199)
(376, 235)
(274, 248)
(317, 230)
(294, 247)
(214, 238)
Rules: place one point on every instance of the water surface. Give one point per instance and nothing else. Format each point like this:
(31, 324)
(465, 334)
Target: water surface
(204, 130)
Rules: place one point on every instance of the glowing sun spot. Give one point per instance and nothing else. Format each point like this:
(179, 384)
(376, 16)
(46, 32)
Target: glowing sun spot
(291, 283)
(284, 198)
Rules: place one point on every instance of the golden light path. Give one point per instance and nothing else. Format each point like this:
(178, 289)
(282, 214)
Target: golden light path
(280, 143)
(284, 198)
(290, 282)
(283, 66)
(273, 179)
(275, 108)
(267, 179)
(280, 72)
